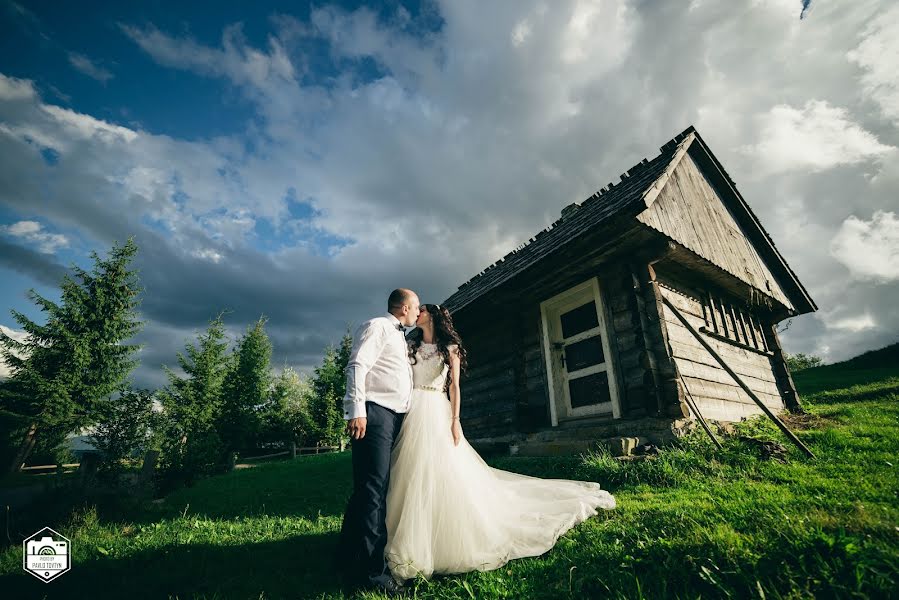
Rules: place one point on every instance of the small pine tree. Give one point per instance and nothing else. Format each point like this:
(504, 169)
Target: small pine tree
(331, 375)
(246, 388)
(191, 445)
(328, 390)
(65, 368)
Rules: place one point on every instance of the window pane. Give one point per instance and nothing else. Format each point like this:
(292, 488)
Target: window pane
(583, 354)
(592, 389)
(580, 319)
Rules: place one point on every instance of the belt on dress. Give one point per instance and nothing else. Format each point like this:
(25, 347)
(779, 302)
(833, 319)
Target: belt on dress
(427, 387)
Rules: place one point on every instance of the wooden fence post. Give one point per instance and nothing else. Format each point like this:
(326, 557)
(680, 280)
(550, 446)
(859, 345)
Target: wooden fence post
(87, 469)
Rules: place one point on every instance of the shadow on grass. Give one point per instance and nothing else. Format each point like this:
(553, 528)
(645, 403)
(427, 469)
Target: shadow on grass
(306, 487)
(810, 382)
(858, 393)
(55, 507)
(296, 568)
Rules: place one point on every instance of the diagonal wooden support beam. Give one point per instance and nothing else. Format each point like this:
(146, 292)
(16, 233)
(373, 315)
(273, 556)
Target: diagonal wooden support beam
(695, 408)
(792, 437)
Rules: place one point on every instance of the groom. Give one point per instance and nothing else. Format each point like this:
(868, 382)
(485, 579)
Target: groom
(378, 390)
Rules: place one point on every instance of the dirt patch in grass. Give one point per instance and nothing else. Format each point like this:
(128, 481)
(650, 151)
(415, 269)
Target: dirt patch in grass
(806, 421)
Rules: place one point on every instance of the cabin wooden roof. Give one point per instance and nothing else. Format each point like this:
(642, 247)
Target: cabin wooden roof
(636, 191)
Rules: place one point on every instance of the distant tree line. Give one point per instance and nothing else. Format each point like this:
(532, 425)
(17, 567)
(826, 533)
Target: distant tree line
(73, 372)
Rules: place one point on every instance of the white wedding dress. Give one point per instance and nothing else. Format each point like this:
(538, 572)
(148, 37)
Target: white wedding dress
(450, 512)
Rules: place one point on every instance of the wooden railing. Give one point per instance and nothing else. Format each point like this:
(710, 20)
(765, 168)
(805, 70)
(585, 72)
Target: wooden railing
(150, 461)
(295, 451)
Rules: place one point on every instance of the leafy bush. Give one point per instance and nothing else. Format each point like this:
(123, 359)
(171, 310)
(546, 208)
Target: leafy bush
(285, 418)
(124, 430)
(800, 362)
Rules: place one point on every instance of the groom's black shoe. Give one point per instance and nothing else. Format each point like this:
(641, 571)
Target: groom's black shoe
(386, 585)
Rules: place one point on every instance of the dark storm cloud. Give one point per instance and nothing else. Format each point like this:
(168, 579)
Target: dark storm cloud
(39, 266)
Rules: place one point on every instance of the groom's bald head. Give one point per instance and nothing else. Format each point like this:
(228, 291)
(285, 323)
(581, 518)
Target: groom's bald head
(398, 298)
(404, 305)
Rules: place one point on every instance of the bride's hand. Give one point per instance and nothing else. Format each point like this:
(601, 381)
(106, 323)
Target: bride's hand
(456, 429)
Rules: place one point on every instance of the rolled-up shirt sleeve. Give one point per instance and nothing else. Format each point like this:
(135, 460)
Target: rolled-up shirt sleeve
(369, 341)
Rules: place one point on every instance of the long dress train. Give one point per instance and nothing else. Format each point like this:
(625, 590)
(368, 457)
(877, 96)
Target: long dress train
(450, 512)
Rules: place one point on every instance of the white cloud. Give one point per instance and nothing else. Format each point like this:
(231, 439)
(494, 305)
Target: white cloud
(878, 56)
(869, 249)
(854, 324)
(236, 60)
(89, 67)
(208, 254)
(33, 232)
(580, 40)
(15, 89)
(19, 336)
(79, 126)
(521, 32)
(23, 228)
(814, 138)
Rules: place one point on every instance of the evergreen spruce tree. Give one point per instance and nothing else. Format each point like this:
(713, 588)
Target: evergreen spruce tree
(246, 389)
(65, 368)
(328, 390)
(191, 445)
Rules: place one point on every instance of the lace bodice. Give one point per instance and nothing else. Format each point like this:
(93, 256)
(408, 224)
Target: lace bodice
(429, 372)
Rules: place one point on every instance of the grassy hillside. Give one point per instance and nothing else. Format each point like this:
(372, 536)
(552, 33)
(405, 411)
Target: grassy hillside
(870, 367)
(692, 522)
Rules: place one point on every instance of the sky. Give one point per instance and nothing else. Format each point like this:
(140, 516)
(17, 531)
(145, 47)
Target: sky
(301, 162)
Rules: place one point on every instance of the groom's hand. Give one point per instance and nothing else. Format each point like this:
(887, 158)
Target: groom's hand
(356, 427)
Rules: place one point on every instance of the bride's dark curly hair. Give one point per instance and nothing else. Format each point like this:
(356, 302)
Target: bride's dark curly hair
(445, 335)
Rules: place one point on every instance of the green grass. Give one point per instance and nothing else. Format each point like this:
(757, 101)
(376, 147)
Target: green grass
(692, 522)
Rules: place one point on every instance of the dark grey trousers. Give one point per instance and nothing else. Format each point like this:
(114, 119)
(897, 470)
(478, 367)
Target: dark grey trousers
(363, 536)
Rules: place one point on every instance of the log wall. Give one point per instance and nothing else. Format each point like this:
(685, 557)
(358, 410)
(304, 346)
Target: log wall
(641, 361)
(489, 386)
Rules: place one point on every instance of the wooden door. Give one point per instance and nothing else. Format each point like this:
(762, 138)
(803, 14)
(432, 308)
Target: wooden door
(579, 366)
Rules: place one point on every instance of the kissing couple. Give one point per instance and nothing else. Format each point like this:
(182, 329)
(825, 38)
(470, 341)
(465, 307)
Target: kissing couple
(423, 500)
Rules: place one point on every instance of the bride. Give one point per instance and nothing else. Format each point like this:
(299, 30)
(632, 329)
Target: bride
(447, 510)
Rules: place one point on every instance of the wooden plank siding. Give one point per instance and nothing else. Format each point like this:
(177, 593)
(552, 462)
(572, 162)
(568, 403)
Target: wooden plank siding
(689, 211)
(716, 393)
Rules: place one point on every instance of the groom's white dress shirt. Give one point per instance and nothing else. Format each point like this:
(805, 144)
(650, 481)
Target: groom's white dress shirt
(379, 369)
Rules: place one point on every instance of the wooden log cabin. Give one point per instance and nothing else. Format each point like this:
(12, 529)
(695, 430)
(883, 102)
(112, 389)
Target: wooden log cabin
(569, 339)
